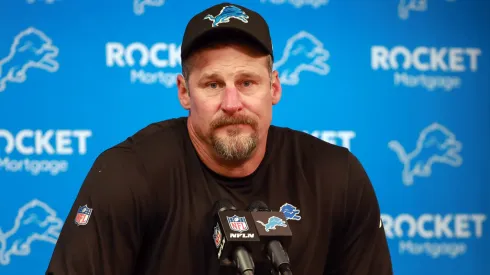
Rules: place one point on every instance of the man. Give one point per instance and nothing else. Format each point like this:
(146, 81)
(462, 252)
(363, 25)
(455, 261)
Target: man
(144, 206)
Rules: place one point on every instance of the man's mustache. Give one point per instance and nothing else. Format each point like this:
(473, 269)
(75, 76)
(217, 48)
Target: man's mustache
(233, 120)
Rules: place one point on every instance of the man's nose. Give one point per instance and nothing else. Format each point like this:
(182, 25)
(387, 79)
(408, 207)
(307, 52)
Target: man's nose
(231, 100)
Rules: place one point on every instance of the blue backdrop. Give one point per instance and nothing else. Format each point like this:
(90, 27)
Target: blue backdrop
(403, 84)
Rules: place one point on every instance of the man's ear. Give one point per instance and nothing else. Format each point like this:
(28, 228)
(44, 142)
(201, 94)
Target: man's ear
(183, 91)
(276, 89)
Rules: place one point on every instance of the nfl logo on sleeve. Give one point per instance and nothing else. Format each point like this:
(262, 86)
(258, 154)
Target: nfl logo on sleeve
(83, 215)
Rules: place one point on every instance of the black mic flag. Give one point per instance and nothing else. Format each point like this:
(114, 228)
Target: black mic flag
(235, 236)
(274, 233)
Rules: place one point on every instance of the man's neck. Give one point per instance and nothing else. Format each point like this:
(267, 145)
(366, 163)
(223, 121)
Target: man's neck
(223, 167)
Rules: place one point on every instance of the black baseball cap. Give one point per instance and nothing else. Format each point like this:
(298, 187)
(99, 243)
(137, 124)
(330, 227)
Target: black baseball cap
(226, 20)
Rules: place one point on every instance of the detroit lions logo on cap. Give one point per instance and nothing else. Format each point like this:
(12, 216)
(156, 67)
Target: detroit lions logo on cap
(225, 14)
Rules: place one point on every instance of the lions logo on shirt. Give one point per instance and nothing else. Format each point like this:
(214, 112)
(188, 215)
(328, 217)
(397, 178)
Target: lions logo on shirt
(290, 211)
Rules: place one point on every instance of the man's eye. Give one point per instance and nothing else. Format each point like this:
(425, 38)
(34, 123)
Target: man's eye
(247, 83)
(213, 85)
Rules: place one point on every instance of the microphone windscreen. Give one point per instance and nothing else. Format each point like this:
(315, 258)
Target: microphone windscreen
(258, 206)
(223, 205)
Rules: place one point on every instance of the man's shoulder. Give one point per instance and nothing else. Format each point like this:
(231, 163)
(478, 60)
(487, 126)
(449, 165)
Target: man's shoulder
(319, 161)
(163, 131)
(311, 154)
(151, 141)
(307, 144)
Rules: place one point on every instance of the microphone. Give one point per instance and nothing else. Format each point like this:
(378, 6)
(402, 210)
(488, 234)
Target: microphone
(274, 233)
(235, 236)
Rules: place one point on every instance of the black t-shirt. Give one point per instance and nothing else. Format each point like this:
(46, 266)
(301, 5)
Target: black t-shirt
(151, 199)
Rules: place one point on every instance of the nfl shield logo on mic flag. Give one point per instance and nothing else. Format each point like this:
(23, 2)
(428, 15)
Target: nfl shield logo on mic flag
(217, 236)
(238, 224)
(83, 215)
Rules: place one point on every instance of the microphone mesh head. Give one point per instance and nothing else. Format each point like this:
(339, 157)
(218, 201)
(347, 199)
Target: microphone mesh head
(223, 205)
(258, 206)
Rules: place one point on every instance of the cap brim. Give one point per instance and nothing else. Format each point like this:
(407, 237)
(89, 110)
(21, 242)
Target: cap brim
(220, 33)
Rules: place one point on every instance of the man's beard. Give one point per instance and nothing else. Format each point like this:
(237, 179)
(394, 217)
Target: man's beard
(234, 146)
